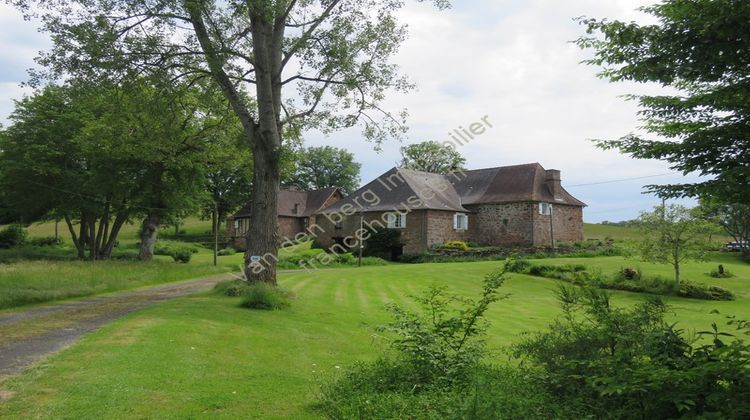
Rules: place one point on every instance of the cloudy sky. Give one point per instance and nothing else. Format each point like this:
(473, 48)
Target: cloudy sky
(510, 60)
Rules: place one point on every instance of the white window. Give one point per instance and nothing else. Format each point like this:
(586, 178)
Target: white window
(396, 220)
(545, 209)
(460, 221)
(236, 225)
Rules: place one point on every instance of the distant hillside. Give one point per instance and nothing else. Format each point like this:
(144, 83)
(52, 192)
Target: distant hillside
(598, 231)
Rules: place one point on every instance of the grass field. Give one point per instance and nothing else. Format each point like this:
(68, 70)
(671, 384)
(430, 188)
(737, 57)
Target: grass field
(203, 356)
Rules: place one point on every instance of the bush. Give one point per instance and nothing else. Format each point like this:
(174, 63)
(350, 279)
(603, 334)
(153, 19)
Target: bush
(628, 279)
(745, 256)
(226, 252)
(631, 363)
(265, 296)
(461, 246)
(12, 236)
(720, 273)
(233, 288)
(435, 370)
(382, 242)
(44, 241)
(182, 255)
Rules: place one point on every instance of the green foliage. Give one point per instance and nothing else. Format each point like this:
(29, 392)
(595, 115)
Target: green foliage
(12, 236)
(437, 356)
(232, 288)
(746, 256)
(630, 363)
(721, 273)
(265, 296)
(381, 390)
(182, 255)
(44, 241)
(459, 245)
(431, 156)
(226, 252)
(627, 279)
(442, 344)
(697, 48)
(672, 235)
(323, 167)
(382, 242)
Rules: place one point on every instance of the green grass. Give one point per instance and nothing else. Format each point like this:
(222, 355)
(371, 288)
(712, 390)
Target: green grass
(30, 282)
(203, 356)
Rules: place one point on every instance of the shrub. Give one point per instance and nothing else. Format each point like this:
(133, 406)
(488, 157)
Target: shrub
(382, 242)
(435, 369)
(344, 258)
(458, 245)
(721, 273)
(182, 255)
(226, 252)
(12, 236)
(44, 241)
(631, 363)
(233, 288)
(745, 256)
(265, 296)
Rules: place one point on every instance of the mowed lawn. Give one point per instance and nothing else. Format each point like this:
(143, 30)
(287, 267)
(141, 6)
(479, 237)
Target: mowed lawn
(203, 356)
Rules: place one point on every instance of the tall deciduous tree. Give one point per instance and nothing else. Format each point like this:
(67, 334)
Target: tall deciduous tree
(100, 155)
(323, 167)
(312, 63)
(431, 156)
(700, 49)
(672, 235)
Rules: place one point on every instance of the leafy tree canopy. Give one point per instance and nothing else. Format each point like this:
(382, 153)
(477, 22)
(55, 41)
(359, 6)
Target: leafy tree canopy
(700, 49)
(431, 156)
(323, 167)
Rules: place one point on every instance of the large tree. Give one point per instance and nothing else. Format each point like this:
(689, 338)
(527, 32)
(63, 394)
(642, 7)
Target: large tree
(100, 155)
(323, 167)
(431, 156)
(701, 50)
(311, 63)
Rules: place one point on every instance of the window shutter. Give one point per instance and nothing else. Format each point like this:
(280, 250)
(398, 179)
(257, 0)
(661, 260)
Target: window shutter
(455, 221)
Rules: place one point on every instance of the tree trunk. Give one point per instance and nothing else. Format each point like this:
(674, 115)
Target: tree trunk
(149, 233)
(262, 236)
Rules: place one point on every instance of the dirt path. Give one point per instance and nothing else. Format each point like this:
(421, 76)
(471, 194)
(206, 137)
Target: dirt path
(31, 335)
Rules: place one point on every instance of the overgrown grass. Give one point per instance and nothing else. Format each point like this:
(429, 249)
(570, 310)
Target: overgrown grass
(30, 282)
(203, 356)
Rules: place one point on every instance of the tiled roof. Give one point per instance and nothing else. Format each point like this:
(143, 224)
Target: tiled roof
(401, 188)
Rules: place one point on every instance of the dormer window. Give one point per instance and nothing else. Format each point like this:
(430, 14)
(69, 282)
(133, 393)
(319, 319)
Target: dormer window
(296, 209)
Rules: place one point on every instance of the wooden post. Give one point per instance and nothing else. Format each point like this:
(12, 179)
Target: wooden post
(361, 243)
(216, 233)
(552, 226)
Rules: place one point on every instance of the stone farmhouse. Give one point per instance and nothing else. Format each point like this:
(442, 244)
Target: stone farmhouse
(296, 211)
(514, 206)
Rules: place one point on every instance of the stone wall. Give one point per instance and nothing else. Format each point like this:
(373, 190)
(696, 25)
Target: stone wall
(507, 224)
(567, 225)
(412, 235)
(440, 228)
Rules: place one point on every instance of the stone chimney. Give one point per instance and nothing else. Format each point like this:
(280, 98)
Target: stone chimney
(552, 181)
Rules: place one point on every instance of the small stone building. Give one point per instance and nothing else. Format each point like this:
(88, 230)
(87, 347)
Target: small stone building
(514, 206)
(296, 210)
